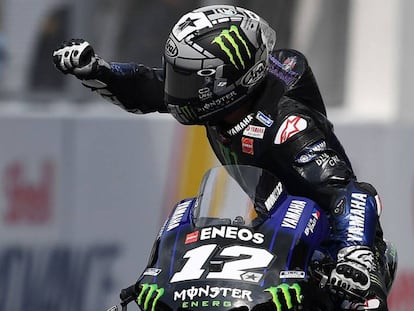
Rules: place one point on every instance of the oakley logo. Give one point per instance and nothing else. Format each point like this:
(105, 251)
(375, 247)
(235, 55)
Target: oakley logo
(206, 72)
(232, 43)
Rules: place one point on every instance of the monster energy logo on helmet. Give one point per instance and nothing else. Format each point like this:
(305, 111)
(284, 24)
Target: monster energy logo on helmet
(149, 292)
(238, 44)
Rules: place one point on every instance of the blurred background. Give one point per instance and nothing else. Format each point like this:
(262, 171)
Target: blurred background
(85, 186)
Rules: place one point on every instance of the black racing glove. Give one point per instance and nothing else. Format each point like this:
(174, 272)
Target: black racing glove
(357, 279)
(352, 270)
(286, 297)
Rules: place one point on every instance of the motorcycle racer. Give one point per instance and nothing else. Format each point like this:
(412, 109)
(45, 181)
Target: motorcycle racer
(260, 106)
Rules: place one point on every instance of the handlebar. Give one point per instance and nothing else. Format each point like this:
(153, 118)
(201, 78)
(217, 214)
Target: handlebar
(128, 295)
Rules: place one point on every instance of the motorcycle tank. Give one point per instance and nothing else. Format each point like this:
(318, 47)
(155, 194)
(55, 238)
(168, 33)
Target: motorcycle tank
(226, 248)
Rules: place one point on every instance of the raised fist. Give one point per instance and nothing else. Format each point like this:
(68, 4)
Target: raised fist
(76, 57)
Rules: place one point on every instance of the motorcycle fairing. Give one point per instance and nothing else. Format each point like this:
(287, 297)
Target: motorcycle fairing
(226, 266)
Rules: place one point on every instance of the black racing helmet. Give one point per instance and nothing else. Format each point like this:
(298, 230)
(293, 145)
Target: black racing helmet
(215, 57)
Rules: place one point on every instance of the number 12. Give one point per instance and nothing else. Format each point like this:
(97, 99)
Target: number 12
(197, 258)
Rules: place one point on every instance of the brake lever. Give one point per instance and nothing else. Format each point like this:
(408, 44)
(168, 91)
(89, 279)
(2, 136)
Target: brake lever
(321, 278)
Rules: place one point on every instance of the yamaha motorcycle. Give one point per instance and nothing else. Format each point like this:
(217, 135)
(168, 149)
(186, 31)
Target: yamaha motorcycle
(231, 246)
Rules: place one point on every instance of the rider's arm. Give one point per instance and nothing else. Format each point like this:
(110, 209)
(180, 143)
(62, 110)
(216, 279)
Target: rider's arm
(313, 158)
(134, 87)
(310, 153)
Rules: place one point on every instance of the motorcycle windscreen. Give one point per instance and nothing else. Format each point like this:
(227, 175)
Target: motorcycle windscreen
(233, 195)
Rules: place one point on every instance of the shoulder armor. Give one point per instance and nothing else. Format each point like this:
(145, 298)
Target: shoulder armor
(288, 66)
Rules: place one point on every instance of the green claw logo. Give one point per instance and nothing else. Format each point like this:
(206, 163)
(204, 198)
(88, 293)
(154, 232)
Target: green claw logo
(187, 112)
(232, 35)
(148, 292)
(184, 113)
(285, 289)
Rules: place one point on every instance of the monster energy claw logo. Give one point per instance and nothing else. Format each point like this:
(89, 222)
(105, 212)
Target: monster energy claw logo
(235, 39)
(184, 113)
(187, 112)
(286, 291)
(149, 292)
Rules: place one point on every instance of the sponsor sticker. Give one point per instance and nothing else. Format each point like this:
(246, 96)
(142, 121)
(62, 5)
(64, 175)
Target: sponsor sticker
(254, 131)
(356, 230)
(231, 42)
(204, 93)
(219, 102)
(271, 200)
(206, 72)
(240, 126)
(178, 215)
(226, 232)
(254, 75)
(292, 274)
(290, 127)
(264, 119)
(149, 296)
(197, 293)
(310, 227)
(289, 63)
(293, 214)
(152, 271)
(284, 71)
(191, 237)
(311, 152)
(253, 277)
(247, 145)
(171, 49)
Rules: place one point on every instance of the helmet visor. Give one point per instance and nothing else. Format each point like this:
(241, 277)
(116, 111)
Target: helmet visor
(195, 97)
(182, 86)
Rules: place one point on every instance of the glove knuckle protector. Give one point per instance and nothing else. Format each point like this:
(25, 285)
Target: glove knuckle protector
(352, 270)
(76, 57)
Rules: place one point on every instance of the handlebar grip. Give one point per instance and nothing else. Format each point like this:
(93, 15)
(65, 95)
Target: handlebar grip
(128, 294)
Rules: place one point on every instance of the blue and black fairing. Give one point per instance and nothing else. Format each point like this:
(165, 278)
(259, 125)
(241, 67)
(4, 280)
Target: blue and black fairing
(225, 256)
(298, 227)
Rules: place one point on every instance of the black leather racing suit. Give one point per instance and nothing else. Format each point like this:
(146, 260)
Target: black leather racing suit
(286, 132)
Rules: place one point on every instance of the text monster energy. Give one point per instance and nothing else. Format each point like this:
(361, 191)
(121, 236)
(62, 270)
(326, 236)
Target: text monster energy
(149, 295)
(233, 36)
